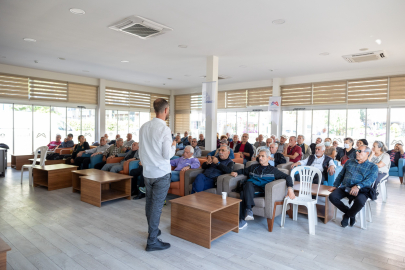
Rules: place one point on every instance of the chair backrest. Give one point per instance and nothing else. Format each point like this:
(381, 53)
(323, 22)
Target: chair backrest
(307, 174)
(42, 152)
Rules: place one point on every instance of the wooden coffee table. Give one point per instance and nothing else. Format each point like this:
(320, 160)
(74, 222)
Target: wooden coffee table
(18, 160)
(76, 183)
(53, 176)
(4, 248)
(49, 162)
(324, 211)
(203, 217)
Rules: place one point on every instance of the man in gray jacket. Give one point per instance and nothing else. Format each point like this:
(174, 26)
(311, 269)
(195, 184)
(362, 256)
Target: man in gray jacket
(95, 151)
(197, 150)
(128, 156)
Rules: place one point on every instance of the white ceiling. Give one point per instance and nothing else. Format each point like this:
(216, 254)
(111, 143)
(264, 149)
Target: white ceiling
(239, 32)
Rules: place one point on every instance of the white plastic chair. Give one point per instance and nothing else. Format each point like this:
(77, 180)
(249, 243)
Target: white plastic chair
(366, 210)
(43, 150)
(307, 175)
(383, 188)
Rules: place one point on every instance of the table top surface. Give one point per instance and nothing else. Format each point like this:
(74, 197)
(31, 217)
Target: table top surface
(206, 201)
(323, 190)
(27, 155)
(3, 246)
(54, 167)
(89, 172)
(106, 177)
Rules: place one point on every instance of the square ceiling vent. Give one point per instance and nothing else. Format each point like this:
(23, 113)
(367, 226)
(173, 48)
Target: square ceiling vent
(140, 27)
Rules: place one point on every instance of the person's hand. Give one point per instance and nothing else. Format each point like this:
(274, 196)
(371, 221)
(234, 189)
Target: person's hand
(80, 153)
(253, 159)
(294, 165)
(291, 194)
(215, 160)
(271, 158)
(111, 157)
(331, 189)
(140, 163)
(241, 154)
(185, 168)
(354, 191)
(72, 160)
(331, 170)
(234, 174)
(174, 143)
(209, 159)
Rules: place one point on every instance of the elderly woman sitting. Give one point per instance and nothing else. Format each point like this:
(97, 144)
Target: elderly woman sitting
(396, 154)
(380, 158)
(184, 163)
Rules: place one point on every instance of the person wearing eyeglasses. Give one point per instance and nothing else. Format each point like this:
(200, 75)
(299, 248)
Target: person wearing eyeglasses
(349, 152)
(245, 149)
(396, 154)
(216, 152)
(355, 183)
(380, 158)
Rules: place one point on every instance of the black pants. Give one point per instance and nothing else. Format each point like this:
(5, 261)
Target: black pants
(359, 201)
(135, 182)
(100, 165)
(315, 181)
(247, 195)
(82, 160)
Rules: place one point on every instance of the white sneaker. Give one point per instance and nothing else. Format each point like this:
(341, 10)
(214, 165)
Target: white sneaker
(249, 215)
(242, 224)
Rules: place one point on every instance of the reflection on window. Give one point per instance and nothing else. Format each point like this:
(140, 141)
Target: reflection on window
(304, 125)
(253, 126)
(289, 123)
(23, 129)
(74, 123)
(241, 118)
(123, 123)
(397, 127)
(111, 124)
(89, 125)
(356, 122)
(6, 128)
(58, 122)
(376, 125)
(337, 126)
(320, 124)
(42, 128)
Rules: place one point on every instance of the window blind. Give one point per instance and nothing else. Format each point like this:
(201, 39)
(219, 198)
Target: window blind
(182, 103)
(373, 90)
(329, 93)
(221, 100)
(259, 96)
(81, 93)
(15, 87)
(182, 122)
(300, 94)
(236, 99)
(127, 98)
(397, 88)
(41, 89)
(196, 102)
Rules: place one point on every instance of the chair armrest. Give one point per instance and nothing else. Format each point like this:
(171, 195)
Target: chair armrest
(229, 182)
(274, 191)
(189, 177)
(114, 160)
(66, 151)
(181, 183)
(126, 166)
(331, 178)
(238, 160)
(401, 163)
(286, 166)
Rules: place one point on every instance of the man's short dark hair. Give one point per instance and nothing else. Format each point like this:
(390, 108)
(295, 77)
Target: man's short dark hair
(70, 135)
(160, 105)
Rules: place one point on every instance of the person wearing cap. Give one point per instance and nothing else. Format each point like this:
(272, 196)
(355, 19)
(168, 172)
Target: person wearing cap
(245, 149)
(306, 150)
(293, 151)
(313, 145)
(318, 160)
(259, 141)
(361, 142)
(216, 152)
(396, 154)
(282, 145)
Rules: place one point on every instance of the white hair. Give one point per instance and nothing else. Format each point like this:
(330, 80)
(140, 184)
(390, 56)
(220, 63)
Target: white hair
(321, 145)
(301, 136)
(276, 144)
(265, 150)
(190, 148)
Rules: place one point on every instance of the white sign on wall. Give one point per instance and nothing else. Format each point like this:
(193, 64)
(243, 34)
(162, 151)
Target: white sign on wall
(275, 108)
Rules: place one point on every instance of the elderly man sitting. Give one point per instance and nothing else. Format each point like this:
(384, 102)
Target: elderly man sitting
(258, 176)
(354, 182)
(197, 150)
(213, 167)
(103, 146)
(128, 156)
(275, 157)
(201, 141)
(128, 143)
(179, 143)
(216, 152)
(320, 161)
(266, 146)
(184, 163)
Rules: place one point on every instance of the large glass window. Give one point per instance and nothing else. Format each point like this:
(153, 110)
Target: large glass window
(221, 123)
(195, 124)
(289, 123)
(123, 123)
(337, 125)
(23, 129)
(320, 124)
(265, 124)
(376, 125)
(134, 125)
(58, 122)
(6, 128)
(74, 123)
(89, 125)
(253, 126)
(356, 122)
(111, 126)
(42, 126)
(144, 117)
(304, 124)
(397, 127)
(231, 123)
(241, 118)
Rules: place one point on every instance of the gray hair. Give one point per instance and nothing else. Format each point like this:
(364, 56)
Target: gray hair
(321, 145)
(382, 146)
(266, 151)
(227, 147)
(102, 138)
(276, 144)
(301, 136)
(368, 149)
(120, 139)
(190, 148)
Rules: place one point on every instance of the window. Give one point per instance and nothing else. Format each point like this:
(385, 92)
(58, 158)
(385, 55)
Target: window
(58, 122)
(74, 123)
(320, 124)
(6, 128)
(397, 127)
(253, 126)
(231, 123)
(289, 123)
(356, 122)
(196, 124)
(111, 126)
(221, 123)
(304, 124)
(241, 122)
(42, 126)
(337, 125)
(89, 125)
(123, 123)
(134, 125)
(23, 136)
(376, 125)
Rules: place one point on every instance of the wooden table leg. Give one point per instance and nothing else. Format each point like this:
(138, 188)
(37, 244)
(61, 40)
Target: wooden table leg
(90, 192)
(328, 210)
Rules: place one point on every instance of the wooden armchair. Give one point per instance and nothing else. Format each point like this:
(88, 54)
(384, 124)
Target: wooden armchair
(114, 160)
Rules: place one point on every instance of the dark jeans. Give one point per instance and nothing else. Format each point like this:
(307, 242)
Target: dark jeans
(100, 165)
(82, 160)
(156, 191)
(202, 183)
(359, 201)
(137, 182)
(247, 195)
(315, 181)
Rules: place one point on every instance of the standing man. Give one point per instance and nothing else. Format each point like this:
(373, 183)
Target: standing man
(155, 150)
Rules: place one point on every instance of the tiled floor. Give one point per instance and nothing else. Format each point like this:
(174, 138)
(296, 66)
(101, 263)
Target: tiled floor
(55, 230)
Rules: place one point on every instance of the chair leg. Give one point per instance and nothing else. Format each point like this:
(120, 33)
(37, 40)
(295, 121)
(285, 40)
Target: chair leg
(383, 189)
(290, 211)
(401, 179)
(22, 173)
(311, 219)
(370, 216)
(335, 213)
(363, 222)
(282, 214)
(315, 215)
(270, 223)
(295, 212)
(30, 176)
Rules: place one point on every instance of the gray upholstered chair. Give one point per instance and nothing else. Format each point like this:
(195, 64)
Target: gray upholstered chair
(204, 153)
(264, 206)
(190, 176)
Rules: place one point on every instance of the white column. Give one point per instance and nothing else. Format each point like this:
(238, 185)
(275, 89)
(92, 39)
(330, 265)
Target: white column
(211, 116)
(276, 117)
(101, 110)
(172, 109)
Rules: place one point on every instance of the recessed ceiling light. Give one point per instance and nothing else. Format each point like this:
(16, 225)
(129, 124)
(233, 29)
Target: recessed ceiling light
(363, 49)
(243, 66)
(378, 41)
(324, 53)
(271, 70)
(164, 84)
(85, 71)
(30, 39)
(169, 78)
(187, 75)
(77, 11)
(124, 61)
(183, 46)
(36, 61)
(279, 21)
(61, 58)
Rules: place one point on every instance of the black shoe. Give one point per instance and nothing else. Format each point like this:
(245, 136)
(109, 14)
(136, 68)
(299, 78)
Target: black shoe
(352, 221)
(159, 245)
(139, 196)
(345, 221)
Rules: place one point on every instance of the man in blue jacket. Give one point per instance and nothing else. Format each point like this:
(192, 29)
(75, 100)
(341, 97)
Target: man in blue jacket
(216, 152)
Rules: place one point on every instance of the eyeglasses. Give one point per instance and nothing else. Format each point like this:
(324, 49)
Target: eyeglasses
(359, 151)
(244, 136)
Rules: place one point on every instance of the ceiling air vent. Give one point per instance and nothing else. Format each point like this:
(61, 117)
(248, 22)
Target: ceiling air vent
(363, 57)
(140, 27)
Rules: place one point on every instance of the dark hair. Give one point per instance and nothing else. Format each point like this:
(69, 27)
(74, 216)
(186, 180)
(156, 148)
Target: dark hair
(160, 105)
(78, 138)
(70, 135)
(349, 139)
(364, 141)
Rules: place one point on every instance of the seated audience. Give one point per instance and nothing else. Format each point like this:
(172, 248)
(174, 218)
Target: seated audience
(116, 138)
(380, 158)
(229, 137)
(111, 152)
(266, 146)
(361, 142)
(282, 144)
(201, 141)
(197, 150)
(137, 182)
(67, 142)
(235, 141)
(339, 150)
(128, 143)
(293, 151)
(54, 144)
(349, 152)
(79, 160)
(258, 176)
(179, 143)
(106, 138)
(320, 161)
(395, 155)
(223, 137)
(306, 150)
(259, 142)
(313, 145)
(212, 169)
(354, 182)
(216, 152)
(245, 149)
(184, 140)
(184, 163)
(275, 158)
(330, 151)
(81, 146)
(274, 138)
(131, 155)
(189, 139)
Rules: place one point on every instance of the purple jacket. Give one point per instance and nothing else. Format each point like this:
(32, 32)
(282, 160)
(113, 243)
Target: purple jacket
(181, 162)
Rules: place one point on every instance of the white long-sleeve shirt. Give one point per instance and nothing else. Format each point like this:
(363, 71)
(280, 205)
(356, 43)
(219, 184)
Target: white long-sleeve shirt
(155, 148)
(317, 162)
